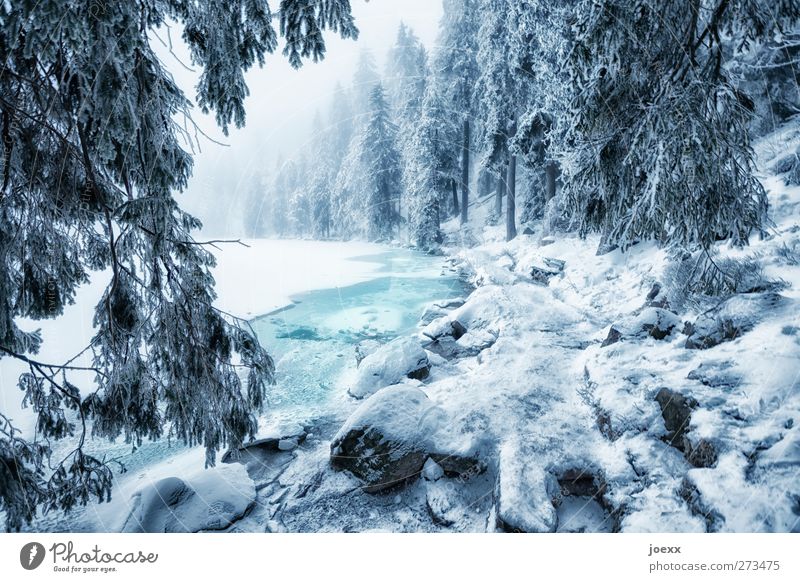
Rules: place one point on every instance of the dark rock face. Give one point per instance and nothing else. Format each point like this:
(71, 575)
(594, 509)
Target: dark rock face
(733, 318)
(445, 341)
(676, 410)
(543, 273)
(459, 466)
(582, 483)
(701, 454)
(657, 297)
(661, 324)
(614, 335)
(653, 322)
(380, 462)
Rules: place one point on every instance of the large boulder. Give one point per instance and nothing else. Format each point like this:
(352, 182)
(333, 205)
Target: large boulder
(390, 364)
(450, 338)
(438, 309)
(384, 442)
(731, 319)
(209, 500)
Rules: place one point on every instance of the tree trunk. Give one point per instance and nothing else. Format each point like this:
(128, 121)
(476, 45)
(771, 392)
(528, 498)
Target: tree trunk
(498, 194)
(511, 188)
(511, 198)
(551, 173)
(465, 174)
(454, 186)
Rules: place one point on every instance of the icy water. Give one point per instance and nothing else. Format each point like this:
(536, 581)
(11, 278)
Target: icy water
(313, 342)
(314, 339)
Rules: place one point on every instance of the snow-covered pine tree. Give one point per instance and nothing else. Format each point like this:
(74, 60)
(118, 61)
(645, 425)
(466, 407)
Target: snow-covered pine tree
(288, 180)
(500, 91)
(406, 77)
(255, 214)
(770, 73)
(369, 181)
(381, 165)
(364, 81)
(539, 41)
(455, 68)
(91, 158)
(299, 197)
(657, 143)
(429, 169)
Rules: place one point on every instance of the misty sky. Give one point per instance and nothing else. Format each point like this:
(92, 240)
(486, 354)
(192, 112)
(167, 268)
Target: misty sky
(281, 106)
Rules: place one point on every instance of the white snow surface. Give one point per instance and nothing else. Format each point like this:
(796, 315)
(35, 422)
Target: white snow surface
(264, 275)
(399, 413)
(389, 364)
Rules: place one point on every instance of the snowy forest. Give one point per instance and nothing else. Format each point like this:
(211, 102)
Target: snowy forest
(540, 274)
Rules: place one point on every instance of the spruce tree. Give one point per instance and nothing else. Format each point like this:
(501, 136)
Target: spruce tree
(656, 141)
(456, 70)
(429, 170)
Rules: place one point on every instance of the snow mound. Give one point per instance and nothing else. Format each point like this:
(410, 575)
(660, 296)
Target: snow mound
(208, 500)
(390, 364)
(524, 494)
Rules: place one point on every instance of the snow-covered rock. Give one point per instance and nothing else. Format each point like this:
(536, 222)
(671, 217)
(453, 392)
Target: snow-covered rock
(524, 494)
(208, 500)
(652, 321)
(366, 348)
(438, 309)
(390, 364)
(384, 442)
(431, 471)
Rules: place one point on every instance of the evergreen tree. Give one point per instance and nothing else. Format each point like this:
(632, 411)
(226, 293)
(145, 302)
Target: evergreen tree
(406, 77)
(428, 172)
(381, 165)
(500, 101)
(364, 81)
(91, 159)
(456, 70)
(255, 216)
(369, 181)
(656, 141)
(288, 180)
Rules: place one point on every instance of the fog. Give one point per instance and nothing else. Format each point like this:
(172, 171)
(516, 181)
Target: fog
(281, 106)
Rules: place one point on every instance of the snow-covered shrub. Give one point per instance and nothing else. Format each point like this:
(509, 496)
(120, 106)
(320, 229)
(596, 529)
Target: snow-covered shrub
(703, 278)
(789, 254)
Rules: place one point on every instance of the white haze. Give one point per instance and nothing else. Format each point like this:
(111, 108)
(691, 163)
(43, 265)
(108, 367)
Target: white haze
(281, 106)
